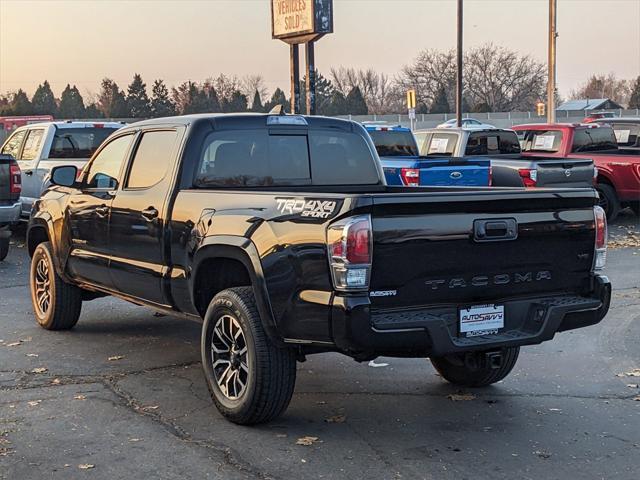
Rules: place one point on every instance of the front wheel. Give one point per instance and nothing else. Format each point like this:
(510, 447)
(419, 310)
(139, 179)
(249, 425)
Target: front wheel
(477, 369)
(250, 379)
(56, 304)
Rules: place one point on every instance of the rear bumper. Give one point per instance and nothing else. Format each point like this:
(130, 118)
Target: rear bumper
(10, 213)
(434, 331)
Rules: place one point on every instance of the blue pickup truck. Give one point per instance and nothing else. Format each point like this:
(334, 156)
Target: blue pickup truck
(402, 164)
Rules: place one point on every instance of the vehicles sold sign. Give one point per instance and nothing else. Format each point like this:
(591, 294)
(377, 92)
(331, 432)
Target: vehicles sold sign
(299, 21)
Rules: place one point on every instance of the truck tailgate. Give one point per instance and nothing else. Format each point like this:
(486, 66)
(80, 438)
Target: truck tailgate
(454, 172)
(564, 172)
(480, 246)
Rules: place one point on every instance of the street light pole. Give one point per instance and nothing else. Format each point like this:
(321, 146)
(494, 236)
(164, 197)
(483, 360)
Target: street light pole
(551, 67)
(459, 69)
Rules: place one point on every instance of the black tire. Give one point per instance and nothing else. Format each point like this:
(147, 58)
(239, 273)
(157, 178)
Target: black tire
(64, 303)
(268, 371)
(476, 371)
(608, 200)
(635, 207)
(4, 247)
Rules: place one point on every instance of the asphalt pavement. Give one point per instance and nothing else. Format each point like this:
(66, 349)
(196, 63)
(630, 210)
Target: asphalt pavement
(122, 396)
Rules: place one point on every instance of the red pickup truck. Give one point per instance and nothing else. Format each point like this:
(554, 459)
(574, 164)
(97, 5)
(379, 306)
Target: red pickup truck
(618, 180)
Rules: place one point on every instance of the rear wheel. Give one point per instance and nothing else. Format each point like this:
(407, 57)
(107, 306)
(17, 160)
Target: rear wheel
(608, 200)
(635, 206)
(477, 369)
(56, 304)
(250, 379)
(4, 247)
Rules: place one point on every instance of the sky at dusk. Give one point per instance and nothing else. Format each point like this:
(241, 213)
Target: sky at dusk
(80, 42)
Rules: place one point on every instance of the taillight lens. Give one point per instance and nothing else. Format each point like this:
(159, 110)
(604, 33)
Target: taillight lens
(349, 245)
(595, 175)
(15, 179)
(529, 176)
(410, 177)
(490, 175)
(600, 258)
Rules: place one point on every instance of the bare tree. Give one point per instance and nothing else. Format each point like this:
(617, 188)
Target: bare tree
(224, 85)
(250, 84)
(376, 88)
(431, 71)
(604, 86)
(503, 79)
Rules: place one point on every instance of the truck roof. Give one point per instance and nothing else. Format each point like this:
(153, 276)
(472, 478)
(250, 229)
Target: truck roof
(463, 129)
(72, 124)
(383, 127)
(556, 126)
(250, 120)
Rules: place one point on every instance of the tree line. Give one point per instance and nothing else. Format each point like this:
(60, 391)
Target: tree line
(495, 79)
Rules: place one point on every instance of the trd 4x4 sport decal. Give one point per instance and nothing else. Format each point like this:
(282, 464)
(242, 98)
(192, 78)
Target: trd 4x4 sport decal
(307, 207)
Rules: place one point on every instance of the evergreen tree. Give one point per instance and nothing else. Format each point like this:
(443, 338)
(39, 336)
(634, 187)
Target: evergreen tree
(324, 90)
(278, 98)
(161, 104)
(93, 111)
(634, 100)
(137, 98)
(256, 105)
(355, 102)
(236, 103)
(71, 104)
(466, 107)
(211, 100)
(43, 101)
(111, 100)
(337, 105)
(440, 103)
(20, 104)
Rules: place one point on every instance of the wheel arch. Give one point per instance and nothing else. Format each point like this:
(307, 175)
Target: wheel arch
(240, 263)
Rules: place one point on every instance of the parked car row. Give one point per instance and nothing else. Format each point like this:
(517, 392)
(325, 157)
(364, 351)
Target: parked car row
(604, 154)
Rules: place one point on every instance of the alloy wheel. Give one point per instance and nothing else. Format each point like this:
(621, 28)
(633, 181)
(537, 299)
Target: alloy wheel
(229, 357)
(42, 286)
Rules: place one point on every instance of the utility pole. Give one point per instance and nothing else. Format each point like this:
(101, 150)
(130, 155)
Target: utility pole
(551, 67)
(294, 60)
(459, 69)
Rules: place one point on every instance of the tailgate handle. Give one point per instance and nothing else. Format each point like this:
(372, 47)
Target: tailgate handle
(495, 230)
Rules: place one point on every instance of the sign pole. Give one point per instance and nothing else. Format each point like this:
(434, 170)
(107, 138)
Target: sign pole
(551, 67)
(311, 78)
(295, 78)
(459, 69)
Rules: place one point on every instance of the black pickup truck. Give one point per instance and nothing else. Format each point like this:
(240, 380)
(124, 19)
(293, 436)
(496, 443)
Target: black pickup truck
(10, 206)
(280, 233)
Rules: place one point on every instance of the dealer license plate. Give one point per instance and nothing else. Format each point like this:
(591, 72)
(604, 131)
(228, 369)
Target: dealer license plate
(481, 320)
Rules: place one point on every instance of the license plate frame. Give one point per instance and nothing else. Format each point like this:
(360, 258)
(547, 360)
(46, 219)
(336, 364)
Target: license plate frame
(480, 320)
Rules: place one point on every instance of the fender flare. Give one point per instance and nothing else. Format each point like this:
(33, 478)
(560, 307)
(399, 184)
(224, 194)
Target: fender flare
(44, 222)
(243, 250)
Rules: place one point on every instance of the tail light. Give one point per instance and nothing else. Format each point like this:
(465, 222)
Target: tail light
(595, 175)
(349, 245)
(529, 176)
(490, 175)
(600, 257)
(410, 177)
(15, 179)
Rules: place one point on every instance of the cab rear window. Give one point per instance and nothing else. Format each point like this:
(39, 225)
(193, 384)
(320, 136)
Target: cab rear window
(394, 143)
(593, 140)
(257, 158)
(492, 143)
(78, 142)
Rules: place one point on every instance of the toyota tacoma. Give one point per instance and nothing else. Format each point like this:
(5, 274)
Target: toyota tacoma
(279, 233)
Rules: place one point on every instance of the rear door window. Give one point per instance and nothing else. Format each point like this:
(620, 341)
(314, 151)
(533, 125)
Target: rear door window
(627, 134)
(32, 144)
(593, 140)
(78, 142)
(152, 158)
(13, 145)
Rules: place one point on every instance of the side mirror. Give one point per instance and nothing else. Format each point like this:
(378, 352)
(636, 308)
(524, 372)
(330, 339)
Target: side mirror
(64, 175)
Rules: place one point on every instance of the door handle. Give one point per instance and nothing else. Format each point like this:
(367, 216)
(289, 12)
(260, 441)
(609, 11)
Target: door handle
(150, 213)
(102, 210)
(495, 230)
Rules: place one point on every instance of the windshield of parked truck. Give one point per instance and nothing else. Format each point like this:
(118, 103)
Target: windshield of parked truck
(548, 141)
(391, 143)
(492, 143)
